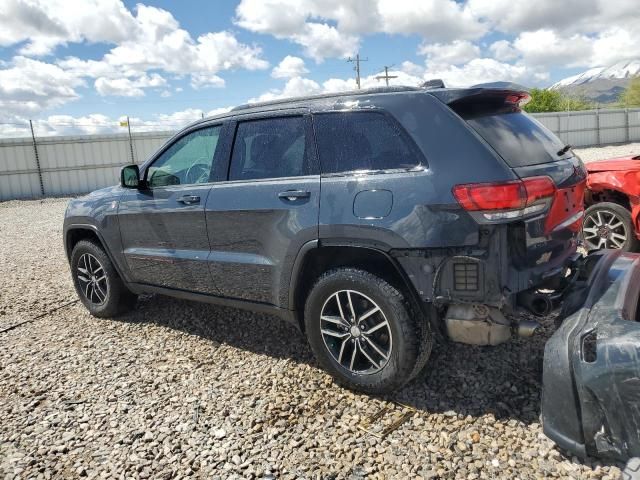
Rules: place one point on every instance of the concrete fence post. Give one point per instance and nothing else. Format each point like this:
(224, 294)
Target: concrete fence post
(35, 151)
(627, 126)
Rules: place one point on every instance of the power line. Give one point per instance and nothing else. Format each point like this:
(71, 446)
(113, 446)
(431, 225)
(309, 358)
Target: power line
(357, 61)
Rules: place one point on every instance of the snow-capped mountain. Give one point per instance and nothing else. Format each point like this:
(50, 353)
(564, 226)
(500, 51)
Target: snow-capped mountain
(601, 84)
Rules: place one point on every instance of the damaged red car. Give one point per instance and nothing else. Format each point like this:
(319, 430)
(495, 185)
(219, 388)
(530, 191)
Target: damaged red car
(612, 219)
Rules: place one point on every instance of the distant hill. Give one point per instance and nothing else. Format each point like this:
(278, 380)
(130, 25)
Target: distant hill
(600, 84)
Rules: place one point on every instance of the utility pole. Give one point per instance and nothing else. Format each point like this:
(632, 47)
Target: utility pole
(386, 75)
(357, 61)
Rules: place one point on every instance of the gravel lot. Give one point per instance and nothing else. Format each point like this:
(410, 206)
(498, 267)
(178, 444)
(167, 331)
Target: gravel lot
(178, 389)
(612, 151)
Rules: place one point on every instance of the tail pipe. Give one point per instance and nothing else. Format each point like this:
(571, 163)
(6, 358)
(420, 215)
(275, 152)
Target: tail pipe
(538, 303)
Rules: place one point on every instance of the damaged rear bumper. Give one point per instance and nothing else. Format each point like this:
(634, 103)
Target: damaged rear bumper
(591, 377)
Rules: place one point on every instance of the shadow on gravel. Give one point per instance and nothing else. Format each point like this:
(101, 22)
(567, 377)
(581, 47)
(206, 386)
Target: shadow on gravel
(458, 379)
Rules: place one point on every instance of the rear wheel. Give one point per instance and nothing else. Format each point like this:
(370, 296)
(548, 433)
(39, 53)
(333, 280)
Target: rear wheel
(363, 332)
(97, 283)
(609, 225)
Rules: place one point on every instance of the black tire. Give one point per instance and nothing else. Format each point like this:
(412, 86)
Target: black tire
(608, 210)
(410, 334)
(117, 298)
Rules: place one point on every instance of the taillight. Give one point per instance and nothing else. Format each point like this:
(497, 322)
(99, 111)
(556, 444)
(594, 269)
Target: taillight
(506, 200)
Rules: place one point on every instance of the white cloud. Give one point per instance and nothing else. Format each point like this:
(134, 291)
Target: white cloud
(295, 87)
(310, 23)
(456, 53)
(614, 45)
(289, 67)
(519, 15)
(28, 86)
(483, 70)
(127, 87)
(502, 50)
(436, 20)
(47, 24)
(205, 80)
(96, 123)
(321, 40)
(568, 16)
(152, 41)
(546, 47)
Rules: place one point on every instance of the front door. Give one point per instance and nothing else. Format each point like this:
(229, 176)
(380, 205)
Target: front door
(163, 226)
(266, 211)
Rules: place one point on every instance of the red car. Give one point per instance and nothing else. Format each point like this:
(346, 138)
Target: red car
(612, 219)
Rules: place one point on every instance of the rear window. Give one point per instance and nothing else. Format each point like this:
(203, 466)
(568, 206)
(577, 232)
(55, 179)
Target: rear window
(518, 138)
(350, 141)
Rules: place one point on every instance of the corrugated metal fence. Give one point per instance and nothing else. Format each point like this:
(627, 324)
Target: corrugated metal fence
(54, 166)
(69, 165)
(594, 127)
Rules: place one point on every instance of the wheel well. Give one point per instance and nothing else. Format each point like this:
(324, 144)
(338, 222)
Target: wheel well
(77, 234)
(323, 259)
(607, 195)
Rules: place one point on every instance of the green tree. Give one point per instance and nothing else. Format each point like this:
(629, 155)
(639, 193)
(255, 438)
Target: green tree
(543, 100)
(631, 96)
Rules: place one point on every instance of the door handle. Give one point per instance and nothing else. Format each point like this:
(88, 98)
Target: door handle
(292, 195)
(189, 199)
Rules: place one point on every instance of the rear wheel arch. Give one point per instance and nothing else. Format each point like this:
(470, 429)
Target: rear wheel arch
(315, 260)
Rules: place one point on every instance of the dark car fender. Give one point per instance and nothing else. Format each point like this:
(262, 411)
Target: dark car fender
(297, 273)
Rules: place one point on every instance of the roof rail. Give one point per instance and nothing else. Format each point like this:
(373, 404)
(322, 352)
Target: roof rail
(366, 91)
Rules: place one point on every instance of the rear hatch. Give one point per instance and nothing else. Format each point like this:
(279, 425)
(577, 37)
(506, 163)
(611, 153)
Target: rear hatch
(544, 233)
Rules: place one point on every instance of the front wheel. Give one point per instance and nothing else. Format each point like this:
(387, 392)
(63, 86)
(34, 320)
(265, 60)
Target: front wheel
(362, 331)
(609, 225)
(97, 283)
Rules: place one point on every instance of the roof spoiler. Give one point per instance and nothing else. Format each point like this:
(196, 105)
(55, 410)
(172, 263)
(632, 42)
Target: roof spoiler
(455, 97)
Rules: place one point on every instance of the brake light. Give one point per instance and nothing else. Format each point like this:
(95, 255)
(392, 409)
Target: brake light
(506, 200)
(520, 98)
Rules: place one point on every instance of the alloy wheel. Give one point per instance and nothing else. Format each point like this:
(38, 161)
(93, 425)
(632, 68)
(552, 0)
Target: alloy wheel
(604, 229)
(93, 279)
(356, 332)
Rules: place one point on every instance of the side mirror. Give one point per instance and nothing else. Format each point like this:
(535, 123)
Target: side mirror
(130, 176)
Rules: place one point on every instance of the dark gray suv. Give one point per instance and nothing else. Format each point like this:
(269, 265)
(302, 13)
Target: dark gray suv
(375, 221)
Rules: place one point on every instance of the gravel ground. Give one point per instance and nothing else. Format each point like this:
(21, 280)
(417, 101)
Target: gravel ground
(611, 151)
(178, 389)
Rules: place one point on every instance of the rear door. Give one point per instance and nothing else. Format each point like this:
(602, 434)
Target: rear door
(267, 209)
(368, 164)
(163, 226)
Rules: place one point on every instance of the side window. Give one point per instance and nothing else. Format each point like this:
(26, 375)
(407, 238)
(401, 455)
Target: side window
(349, 141)
(270, 148)
(188, 161)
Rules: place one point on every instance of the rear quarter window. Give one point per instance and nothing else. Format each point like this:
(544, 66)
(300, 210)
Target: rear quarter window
(518, 138)
(351, 141)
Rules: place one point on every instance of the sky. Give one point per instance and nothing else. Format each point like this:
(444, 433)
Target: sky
(81, 66)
